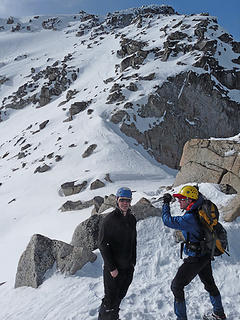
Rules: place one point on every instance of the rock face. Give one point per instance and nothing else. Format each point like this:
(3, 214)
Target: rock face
(215, 161)
(40, 256)
(185, 106)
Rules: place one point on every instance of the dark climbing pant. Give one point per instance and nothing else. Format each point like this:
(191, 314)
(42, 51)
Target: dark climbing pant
(192, 267)
(115, 289)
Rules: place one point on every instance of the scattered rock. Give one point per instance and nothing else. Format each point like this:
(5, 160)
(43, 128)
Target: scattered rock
(89, 150)
(70, 188)
(78, 107)
(132, 87)
(76, 205)
(42, 168)
(144, 209)
(43, 124)
(97, 184)
(107, 178)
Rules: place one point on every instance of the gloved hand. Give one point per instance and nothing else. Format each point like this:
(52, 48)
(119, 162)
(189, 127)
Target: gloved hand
(167, 198)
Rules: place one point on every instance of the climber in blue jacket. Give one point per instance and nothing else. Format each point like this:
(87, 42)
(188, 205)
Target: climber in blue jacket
(198, 262)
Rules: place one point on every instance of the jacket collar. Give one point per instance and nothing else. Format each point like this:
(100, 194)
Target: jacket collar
(196, 204)
(120, 213)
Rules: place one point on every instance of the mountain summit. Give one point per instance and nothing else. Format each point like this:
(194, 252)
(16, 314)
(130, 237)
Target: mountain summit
(159, 76)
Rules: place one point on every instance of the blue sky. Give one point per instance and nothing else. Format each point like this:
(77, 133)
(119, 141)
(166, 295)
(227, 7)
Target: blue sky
(227, 11)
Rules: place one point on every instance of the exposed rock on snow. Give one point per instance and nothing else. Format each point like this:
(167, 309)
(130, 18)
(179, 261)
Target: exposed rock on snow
(89, 150)
(86, 233)
(144, 209)
(76, 205)
(97, 184)
(232, 210)
(42, 168)
(215, 161)
(70, 188)
(40, 256)
(109, 202)
(77, 107)
(190, 103)
(195, 88)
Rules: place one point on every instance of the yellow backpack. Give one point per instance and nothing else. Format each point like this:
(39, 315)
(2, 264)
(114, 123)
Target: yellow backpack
(215, 236)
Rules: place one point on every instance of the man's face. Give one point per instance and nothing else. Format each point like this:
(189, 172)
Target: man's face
(184, 203)
(124, 204)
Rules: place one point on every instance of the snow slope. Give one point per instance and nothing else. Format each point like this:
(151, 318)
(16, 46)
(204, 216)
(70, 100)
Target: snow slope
(29, 201)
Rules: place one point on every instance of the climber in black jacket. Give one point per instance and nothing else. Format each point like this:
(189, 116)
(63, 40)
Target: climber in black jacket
(117, 244)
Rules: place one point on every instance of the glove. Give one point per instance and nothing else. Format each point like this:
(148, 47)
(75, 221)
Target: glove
(167, 198)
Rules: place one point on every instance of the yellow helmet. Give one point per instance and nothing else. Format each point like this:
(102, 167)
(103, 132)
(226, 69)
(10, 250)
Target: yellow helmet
(187, 192)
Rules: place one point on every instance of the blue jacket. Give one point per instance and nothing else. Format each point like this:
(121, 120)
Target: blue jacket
(187, 223)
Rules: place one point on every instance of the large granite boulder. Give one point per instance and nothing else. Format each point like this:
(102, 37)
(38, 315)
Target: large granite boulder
(232, 210)
(86, 233)
(215, 161)
(40, 256)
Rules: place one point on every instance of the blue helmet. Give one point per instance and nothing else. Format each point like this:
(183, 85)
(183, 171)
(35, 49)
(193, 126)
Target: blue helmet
(124, 193)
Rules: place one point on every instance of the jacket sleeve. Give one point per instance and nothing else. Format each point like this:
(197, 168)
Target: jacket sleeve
(179, 222)
(105, 248)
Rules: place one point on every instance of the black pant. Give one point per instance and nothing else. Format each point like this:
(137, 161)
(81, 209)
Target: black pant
(191, 267)
(115, 289)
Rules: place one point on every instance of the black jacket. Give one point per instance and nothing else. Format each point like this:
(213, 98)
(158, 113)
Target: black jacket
(117, 240)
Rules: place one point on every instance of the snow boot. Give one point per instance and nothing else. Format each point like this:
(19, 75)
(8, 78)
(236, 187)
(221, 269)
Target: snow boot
(214, 316)
(180, 309)
(108, 314)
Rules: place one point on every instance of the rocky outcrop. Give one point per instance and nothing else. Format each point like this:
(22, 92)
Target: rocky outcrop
(40, 256)
(57, 79)
(78, 107)
(144, 209)
(215, 161)
(187, 105)
(121, 20)
(43, 253)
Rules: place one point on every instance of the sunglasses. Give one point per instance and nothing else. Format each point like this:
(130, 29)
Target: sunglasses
(182, 200)
(124, 200)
